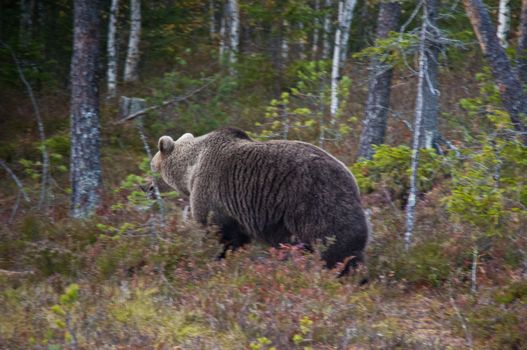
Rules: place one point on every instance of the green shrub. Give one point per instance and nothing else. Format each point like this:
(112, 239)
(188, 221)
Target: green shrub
(390, 169)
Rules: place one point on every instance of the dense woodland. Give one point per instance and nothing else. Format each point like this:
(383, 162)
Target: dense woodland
(425, 101)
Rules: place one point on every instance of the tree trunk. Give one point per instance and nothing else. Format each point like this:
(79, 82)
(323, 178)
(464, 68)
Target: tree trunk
(429, 134)
(504, 20)
(419, 111)
(132, 57)
(27, 7)
(378, 101)
(234, 34)
(326, 45)
(334, 102)
(301, 42)
(112, 50)
(349, 6)
(284, 45)
(212, 19)
(512, 95)
(316, 30)
(85, 167)
(521, 53)
(223, 42)
(345, 11)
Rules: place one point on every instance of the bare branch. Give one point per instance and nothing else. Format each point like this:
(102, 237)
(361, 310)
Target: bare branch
(15, 178)
(40, 124)
(166, 103)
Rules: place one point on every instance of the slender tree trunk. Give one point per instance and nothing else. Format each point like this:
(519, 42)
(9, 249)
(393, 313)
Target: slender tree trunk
(326, 35)
(349, 6)
(521, 53)
(223, 45)
(284, 45)
(44, 181)
(212, 19)
(132, 57)
(429, 134)
(111, 73)
(334, 102)
(234, 34)
(504, 20)
(378, 100)
(512, 95)
(316, 30)
(345, 11)
(27, 7)
(419, 110)
(301, 43)
(85, 167)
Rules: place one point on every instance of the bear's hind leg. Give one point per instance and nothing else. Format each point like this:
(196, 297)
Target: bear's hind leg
(232, 237)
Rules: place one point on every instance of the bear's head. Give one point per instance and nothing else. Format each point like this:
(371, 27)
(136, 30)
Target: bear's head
(171, 161)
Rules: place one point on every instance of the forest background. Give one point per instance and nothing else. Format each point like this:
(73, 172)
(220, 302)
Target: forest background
(423, 100)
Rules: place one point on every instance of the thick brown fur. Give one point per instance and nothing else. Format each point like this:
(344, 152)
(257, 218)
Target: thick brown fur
(274, 191)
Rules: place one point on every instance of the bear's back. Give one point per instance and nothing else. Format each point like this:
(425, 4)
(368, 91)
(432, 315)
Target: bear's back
(263, 183)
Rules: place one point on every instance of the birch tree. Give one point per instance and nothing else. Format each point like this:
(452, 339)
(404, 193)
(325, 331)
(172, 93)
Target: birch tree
(223, 41)
(234, 33)
(429, 134)
(419, 109)
(504, 20)
(378, 100)
(521, 51)
(346, 24)
(510, 87)
(212, 19)
(132, 56)
(326, 44)
(345, 10)
(111, 73)
(284, 45)
(316, 30)
(85, 167)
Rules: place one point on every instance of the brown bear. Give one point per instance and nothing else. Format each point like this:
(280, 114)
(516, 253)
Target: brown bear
(273, 191)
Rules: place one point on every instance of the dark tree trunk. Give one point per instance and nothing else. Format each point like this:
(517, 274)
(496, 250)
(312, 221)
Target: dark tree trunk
(378, 100)
(521, 56)
(430, 133)
(85, 164)
(512, 95)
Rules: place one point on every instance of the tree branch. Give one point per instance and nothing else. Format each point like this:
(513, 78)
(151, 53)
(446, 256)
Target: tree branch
(166, 103)
(15, 178)
(40, 124)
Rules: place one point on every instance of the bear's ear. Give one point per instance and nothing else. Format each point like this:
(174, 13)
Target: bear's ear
(187, 136)
(165, 144)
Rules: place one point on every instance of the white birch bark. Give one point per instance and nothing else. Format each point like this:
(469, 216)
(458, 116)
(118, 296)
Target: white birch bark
(132, 57)
(316, 24)
(223, 45)
(301, 44)
(234, 34)
(504, 20)
(334, 103)
(347, 17)
(284, 45)
(111, 73)
(326, 45)
(212, 19)
(419, 107)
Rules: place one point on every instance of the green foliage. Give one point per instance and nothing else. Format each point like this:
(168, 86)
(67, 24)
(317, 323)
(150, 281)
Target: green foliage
(302, 113)
(390, 168)
(391, 50)
(489, 184)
